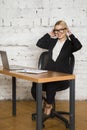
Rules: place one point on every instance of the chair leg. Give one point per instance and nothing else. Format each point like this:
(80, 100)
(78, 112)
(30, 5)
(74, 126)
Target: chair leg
(61, 117)
(58, 114)
(63, 112)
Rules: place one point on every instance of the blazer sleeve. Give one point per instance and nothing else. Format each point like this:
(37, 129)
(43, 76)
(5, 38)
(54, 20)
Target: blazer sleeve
(44, 42)
(76, 45)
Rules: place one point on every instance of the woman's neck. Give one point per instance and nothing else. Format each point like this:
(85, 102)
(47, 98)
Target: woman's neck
(62, 39)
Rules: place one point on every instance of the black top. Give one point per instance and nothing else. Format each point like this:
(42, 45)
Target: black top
(62, 63)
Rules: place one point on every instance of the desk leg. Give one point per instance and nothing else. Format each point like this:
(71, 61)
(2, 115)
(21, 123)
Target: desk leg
(72, 104)
(39, 106)
(14, 96)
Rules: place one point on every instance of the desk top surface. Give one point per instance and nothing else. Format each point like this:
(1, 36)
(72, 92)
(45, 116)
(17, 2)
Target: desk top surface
(49, 76)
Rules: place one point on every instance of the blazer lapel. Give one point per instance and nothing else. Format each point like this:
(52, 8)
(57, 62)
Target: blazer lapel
(62, 50)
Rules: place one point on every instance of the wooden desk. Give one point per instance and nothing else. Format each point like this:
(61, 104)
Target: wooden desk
(39, 79)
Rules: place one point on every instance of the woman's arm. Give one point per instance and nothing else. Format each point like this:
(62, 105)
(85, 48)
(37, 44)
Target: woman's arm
(47, 40)
(76, 45)
(44, 42)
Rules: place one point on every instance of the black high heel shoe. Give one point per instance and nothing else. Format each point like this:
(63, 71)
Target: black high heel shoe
(45, 117)
(48, 115)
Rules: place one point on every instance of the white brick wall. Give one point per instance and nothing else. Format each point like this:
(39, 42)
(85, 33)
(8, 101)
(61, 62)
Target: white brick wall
(23, 22)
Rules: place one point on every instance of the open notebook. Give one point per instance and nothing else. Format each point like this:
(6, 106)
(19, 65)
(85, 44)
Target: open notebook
(33, 71)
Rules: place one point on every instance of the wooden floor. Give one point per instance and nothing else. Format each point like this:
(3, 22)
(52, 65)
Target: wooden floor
(23, 121)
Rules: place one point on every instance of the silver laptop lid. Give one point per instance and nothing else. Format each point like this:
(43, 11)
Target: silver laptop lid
(4, 59)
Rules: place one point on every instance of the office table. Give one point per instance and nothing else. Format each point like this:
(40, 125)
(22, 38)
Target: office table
(49, 76)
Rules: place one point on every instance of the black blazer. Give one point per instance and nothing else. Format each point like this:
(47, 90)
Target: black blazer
(62, 63)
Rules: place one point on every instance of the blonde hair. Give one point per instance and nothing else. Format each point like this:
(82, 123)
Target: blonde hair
(61, 22)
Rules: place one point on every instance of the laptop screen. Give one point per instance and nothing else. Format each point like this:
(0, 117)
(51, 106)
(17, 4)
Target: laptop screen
(4, 59)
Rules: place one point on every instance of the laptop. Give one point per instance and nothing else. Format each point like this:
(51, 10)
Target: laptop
(5, 62)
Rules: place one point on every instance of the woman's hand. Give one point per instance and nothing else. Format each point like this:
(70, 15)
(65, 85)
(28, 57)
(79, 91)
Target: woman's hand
(52, 35)
(69, 32)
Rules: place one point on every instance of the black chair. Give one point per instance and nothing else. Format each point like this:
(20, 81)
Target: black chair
(43, 60)
(44, 57)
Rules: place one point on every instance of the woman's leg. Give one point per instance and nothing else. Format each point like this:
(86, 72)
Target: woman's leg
(33, 90)
(51, 89)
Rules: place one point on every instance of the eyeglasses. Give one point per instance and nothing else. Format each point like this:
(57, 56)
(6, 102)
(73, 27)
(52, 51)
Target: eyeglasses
(59, 30)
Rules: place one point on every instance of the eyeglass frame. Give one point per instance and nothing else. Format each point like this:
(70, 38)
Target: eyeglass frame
(59, 30)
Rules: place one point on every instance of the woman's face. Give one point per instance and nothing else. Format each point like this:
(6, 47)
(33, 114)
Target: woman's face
(60, 31)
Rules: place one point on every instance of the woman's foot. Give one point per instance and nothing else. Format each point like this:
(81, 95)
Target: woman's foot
(48, 109)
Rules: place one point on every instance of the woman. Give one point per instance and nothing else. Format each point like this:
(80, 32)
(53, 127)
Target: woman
(60, 43)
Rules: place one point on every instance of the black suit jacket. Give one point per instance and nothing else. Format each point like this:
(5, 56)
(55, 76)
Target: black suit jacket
(62, 63)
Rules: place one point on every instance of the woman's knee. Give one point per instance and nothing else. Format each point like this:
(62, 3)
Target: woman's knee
(33, 90)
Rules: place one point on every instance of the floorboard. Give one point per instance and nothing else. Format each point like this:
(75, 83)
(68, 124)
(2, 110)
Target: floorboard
(23, 121)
